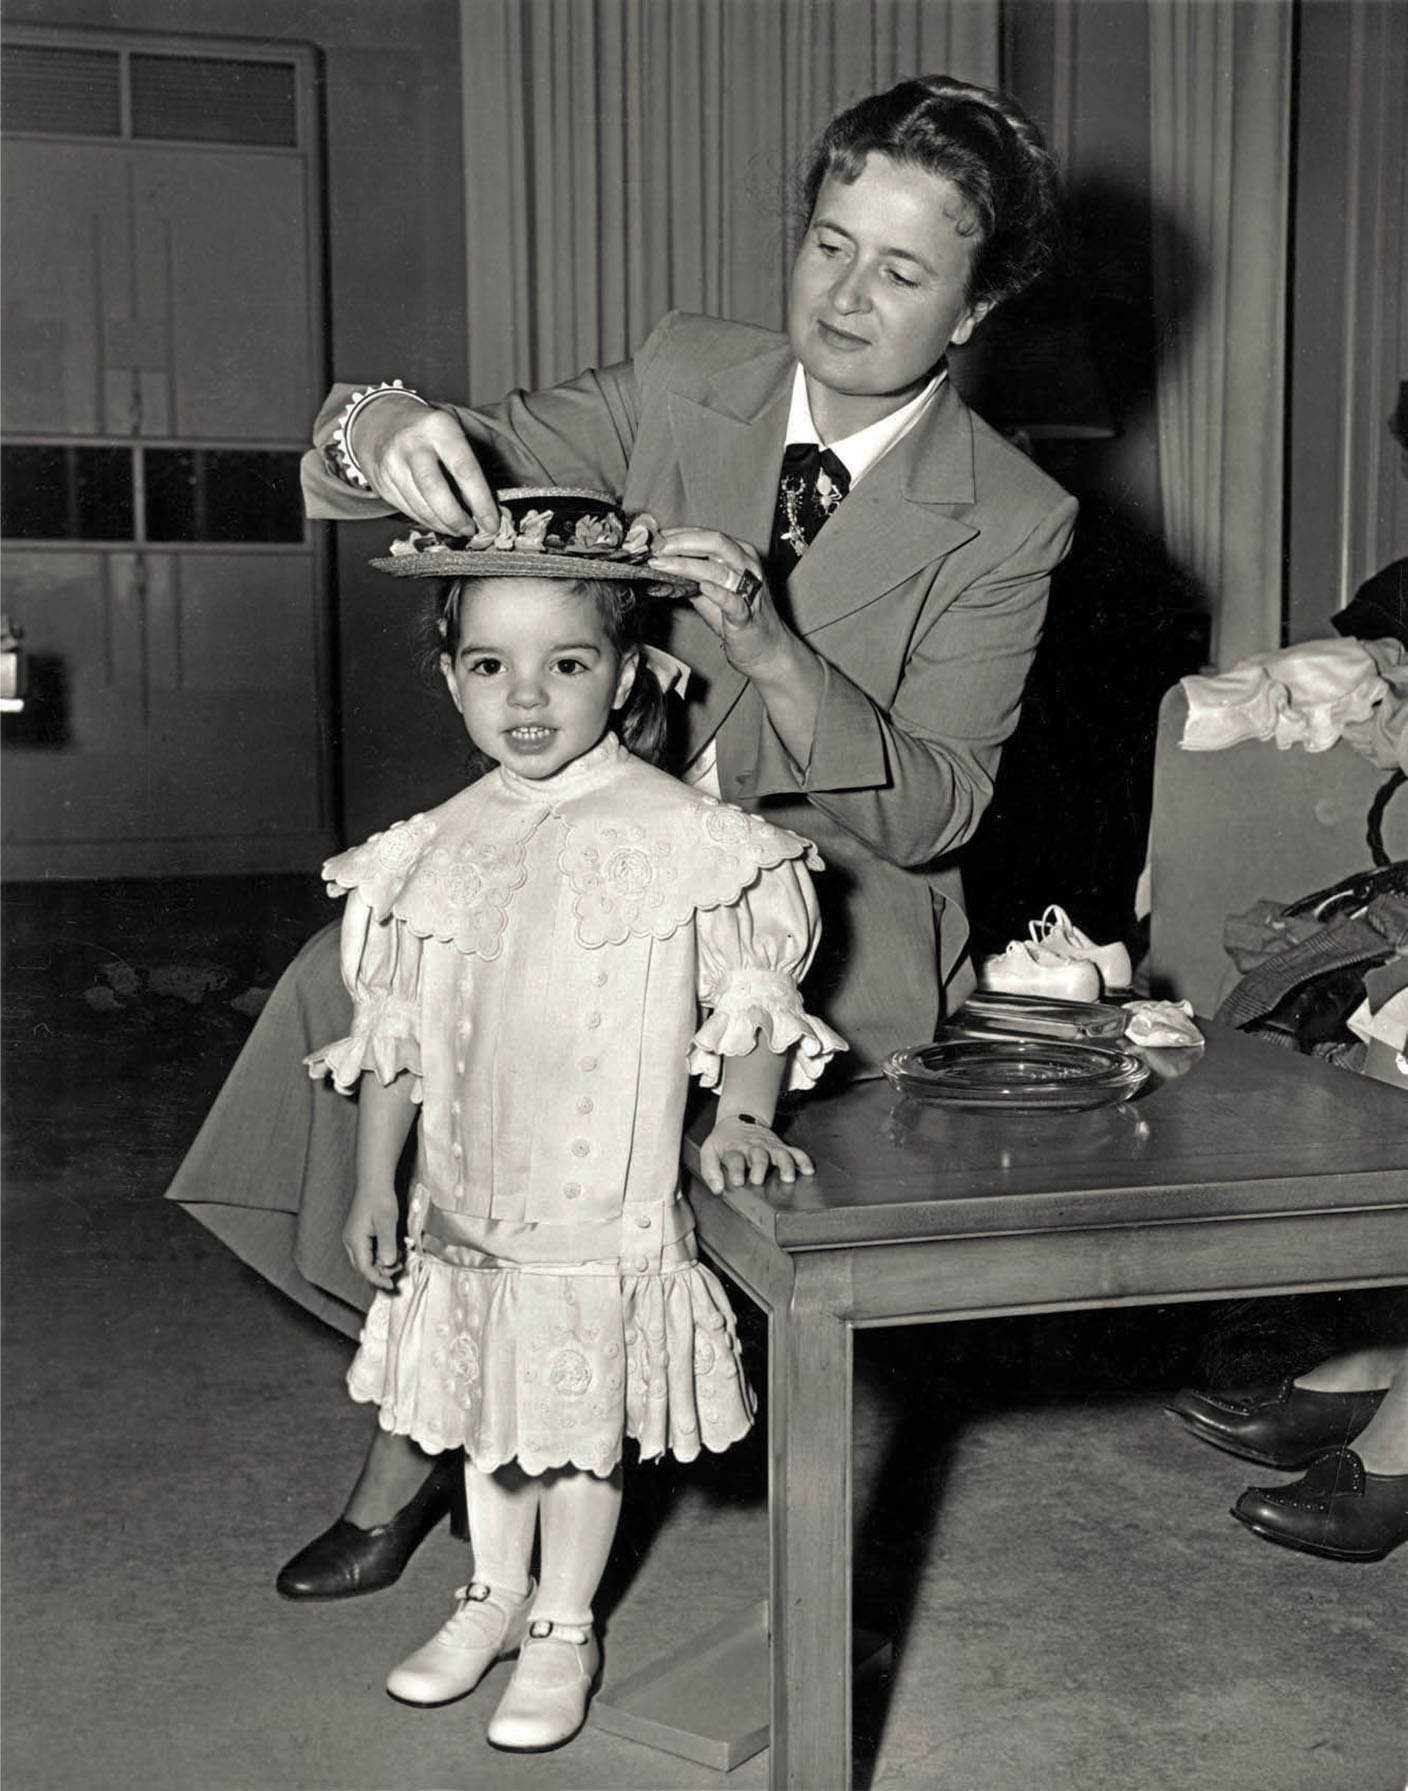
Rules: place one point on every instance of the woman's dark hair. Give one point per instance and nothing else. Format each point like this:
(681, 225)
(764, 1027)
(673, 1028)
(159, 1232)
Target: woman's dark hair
(642, 722)
(984, 144)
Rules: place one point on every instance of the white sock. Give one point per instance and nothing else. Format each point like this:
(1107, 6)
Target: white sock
(503, 1514)
(579, 1512)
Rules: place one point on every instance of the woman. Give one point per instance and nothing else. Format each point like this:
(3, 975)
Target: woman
(855, 681)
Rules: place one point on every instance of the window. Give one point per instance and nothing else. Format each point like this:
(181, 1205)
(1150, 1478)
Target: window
(63, 91)
(54, 492)
(60, 493)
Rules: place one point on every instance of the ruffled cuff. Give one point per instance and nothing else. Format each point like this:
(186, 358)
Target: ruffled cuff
(766, 1004)
(382, 1042)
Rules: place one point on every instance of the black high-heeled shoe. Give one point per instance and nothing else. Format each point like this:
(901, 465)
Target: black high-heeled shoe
(347, 1561)
(1336, 1509)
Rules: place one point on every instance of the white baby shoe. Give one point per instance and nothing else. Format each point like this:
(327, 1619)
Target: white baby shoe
(546, 1700)
(1027, 969)
(1057, 932)
(485, 1626)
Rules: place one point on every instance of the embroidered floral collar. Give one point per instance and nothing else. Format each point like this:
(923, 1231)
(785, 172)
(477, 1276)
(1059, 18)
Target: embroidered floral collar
(642, 854)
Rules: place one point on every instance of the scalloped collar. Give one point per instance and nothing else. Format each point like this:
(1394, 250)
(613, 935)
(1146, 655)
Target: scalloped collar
(643, 854)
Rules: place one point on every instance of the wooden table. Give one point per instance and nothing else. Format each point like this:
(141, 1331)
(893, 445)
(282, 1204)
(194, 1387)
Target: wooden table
(1256, 1172)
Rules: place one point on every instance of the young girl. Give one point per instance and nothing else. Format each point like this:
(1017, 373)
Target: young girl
(528, 963)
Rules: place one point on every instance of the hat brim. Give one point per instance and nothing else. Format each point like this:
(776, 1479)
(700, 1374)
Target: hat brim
(489, 562)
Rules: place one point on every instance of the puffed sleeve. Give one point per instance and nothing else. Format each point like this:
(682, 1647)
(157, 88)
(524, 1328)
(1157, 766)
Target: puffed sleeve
(381, 967)
(753, 954)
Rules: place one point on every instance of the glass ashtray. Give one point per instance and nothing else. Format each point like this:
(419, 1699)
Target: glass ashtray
(1019, 1074)
(1000, 1012)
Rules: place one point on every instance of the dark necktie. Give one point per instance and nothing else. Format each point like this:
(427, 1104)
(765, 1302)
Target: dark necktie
(811, 486)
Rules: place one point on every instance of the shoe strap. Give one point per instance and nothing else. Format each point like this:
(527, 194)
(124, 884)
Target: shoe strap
(481, 1592)
(540, 1630)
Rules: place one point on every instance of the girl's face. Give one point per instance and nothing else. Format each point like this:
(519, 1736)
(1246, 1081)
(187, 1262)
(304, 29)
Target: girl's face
(879, 290)
(533, 673)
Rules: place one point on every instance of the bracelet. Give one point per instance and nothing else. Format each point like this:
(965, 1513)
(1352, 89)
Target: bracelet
(338, 455)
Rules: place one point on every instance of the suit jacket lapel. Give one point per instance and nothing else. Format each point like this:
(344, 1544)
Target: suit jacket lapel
(729, 442)
(898, 519)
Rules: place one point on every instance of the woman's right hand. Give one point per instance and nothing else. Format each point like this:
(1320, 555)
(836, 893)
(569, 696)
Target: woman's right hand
(369, 1236)
(419, 460)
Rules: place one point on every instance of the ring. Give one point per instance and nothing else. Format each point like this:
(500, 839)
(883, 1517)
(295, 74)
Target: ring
(748, 586)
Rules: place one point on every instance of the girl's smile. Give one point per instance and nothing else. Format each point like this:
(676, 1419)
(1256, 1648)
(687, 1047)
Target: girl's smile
(533, 673)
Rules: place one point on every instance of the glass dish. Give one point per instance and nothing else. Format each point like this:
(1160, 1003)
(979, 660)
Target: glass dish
(998, 1012)
(1019, 1074)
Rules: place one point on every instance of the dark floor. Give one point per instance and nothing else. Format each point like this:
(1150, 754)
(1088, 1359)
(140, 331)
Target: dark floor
(1072, 1607)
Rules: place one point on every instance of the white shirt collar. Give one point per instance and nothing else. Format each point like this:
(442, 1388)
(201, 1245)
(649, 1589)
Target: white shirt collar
(859, 452)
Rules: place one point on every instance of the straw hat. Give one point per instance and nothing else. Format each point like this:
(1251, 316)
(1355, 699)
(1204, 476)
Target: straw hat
(545, 531)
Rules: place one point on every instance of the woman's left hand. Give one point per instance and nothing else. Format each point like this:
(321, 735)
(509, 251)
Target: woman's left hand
(744, 1150)
(733, 599)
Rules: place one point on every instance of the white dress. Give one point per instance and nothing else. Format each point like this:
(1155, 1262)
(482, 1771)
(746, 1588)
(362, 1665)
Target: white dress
(535, 955)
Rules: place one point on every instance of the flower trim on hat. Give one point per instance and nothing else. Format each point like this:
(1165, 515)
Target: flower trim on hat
(605, 535)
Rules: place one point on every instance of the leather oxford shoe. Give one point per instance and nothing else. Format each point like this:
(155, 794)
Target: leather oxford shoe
(347, 1561)
(1336, 1510)
(1277, 1426)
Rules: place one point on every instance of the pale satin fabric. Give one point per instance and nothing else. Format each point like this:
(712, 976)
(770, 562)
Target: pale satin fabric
(1382, 736)
(1311, 695)
(535, 955)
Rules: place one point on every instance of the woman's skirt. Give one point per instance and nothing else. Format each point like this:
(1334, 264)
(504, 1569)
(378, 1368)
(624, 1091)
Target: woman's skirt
(271, 1170)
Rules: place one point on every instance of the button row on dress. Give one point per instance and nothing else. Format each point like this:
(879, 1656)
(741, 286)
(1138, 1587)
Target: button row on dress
(581, 1147)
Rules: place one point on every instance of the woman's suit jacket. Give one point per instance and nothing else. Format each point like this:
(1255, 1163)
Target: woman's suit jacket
(924, 595)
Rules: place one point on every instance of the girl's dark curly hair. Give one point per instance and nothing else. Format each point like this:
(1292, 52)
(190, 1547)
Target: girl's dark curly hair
(984, 144)
(642, 721)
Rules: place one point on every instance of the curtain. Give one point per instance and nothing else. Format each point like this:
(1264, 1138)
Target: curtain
(623, 157)
(1220, 104)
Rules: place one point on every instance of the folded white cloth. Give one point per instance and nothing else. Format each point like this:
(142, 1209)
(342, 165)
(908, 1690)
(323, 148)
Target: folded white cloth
(1389, 1024)
(1161, 1023)
(1383, 736)
(1305, 695)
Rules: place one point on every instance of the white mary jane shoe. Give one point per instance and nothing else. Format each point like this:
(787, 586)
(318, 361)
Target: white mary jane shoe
(1056, 932)
(546, 1700)
(485, 1626)
(1025, 969)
